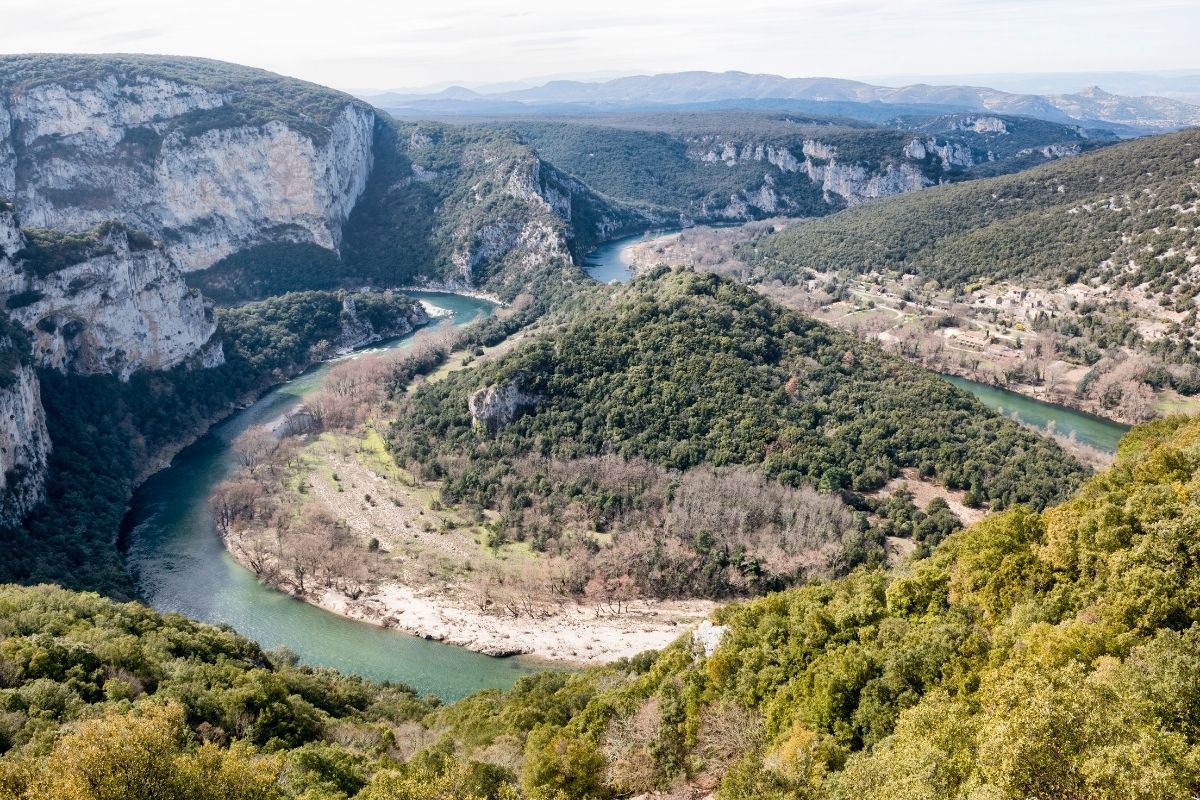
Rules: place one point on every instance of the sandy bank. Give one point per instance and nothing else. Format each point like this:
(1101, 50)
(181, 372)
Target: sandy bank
(575, 635)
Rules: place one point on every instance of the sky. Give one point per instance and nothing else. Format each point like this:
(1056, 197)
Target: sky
(365, 44)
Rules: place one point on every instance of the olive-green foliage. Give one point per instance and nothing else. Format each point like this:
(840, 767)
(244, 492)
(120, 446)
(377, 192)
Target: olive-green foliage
(270, 269)
(1059, 222)
(1035, 654)
(48, 251)
(105, 432)
(103, 701)
(1052, 654)
(276, 336)
(683, 369)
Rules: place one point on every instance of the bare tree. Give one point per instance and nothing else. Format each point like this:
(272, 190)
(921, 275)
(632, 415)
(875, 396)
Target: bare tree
(253, 447)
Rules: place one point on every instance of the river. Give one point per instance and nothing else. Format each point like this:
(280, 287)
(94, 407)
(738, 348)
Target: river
(607, 265)
(1095, 432)
(179, 564)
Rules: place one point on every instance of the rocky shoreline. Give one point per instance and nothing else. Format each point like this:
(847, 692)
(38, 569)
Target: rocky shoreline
(576, 635)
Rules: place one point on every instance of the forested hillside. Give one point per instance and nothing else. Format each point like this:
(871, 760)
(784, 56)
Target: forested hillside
(730, 165)
(107, 433)
(1123, 216)
(684, 369)
(1035, 654)
(654, 420)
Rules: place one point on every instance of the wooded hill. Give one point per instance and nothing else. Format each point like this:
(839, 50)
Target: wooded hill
(630, 406)
(676, 163)
(1049, 654)
(1125, 215)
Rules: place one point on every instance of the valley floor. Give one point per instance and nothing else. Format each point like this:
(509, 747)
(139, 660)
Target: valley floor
(351, 532)
(430, 572)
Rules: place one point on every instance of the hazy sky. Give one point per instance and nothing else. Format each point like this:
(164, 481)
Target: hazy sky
(366, 43)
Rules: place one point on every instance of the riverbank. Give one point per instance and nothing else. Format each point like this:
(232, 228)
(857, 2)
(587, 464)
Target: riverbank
(994, 334)
(376, 546)
(442, 287)
(573, 635)
(179, 565)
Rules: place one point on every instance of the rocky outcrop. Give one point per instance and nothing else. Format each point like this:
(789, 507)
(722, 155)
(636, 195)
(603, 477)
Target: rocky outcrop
(841, 182)
(358, 331)
(161, 156)
(951, 155)
(24, 441)
(707, 637)
(497, 406)
(546, 230)
(117, 305)
(977, 124)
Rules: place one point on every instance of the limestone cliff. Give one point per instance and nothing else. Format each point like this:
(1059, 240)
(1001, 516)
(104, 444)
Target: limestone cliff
(24, 442)
(494, 407)
(469, 208)
(106, 301)
(161, 156)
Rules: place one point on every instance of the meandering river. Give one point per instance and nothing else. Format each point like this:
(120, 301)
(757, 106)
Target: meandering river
(607, 264)
(179, 564)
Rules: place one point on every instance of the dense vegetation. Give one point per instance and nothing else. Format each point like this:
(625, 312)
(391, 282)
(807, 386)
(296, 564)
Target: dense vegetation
(1124, 215)
(1049, 654)
(114, 702)
(280, 336)
(655, 160)
(106, 433)
(606, 461)
(653, 168)
(14, 350)
(684, 369)
(269, 269)
(47, 251)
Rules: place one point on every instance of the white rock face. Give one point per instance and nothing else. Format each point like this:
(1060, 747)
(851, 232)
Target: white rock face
(848, 183)
(540, 233)
(494, 407)
(229, 189)
(854, 183)
(953, 155)
(119, 312)
(112, 151)
(980, 124)
(707, 637)
(24, 445)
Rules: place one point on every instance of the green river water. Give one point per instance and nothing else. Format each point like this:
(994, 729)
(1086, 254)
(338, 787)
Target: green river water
(180, 565)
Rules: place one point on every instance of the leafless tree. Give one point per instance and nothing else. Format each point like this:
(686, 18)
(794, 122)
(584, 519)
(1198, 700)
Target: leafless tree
(253, 447)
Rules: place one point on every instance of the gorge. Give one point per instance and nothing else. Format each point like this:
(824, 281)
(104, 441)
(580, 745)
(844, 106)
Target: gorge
(297, 397)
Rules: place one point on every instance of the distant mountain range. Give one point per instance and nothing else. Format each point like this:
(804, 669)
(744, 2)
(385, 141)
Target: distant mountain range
(1091, 107)
(1177, 84)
